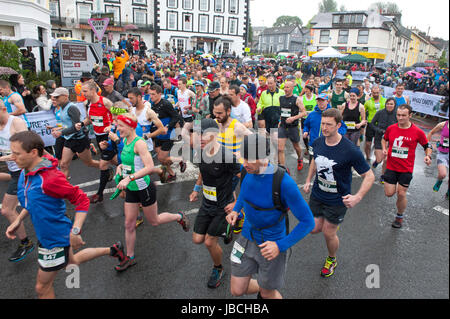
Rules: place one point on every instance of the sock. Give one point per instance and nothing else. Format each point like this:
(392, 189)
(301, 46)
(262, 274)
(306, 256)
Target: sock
(25, 241)
(375, 164)
(104, 175)
(218, 267)
(131, 257)
(399, 217)
(332, 258)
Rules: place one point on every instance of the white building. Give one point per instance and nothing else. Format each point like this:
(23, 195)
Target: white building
(27, 19)
(70, 19)
(220, 25)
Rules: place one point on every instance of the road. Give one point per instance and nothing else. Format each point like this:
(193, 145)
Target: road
(411, 262)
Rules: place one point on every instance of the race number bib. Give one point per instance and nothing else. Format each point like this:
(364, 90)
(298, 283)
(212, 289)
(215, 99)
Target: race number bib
(285, 112)
(310, 150)
(210, 193)
(236, 253)
(97, 120)
(327, 186)
(126, 170)
(351, 125)
(400, 152)
(50, 258)
(445, 142)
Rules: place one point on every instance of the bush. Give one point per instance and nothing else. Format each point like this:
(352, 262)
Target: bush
(9, 55)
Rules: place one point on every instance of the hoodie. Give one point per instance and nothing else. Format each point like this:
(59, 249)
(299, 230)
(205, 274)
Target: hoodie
(42, 192)
(312, 124)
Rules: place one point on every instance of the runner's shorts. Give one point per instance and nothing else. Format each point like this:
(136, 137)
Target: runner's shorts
(105, 155)
(292, 133)
(12, 184)
(78, 145)
(53, 259)
(393, 177)
(442, 159)
(333, 214)
(370, 133)
(210, 220)
(271, 274)
(146, 197)
(166, 145)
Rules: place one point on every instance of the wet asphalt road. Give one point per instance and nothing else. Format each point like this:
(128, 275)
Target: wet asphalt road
(412, 262)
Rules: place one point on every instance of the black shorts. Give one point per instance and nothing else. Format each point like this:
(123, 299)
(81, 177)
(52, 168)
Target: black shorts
(370, 133)
(393, 177)
(291, 132)
(377, 143)
(333, 214)
(146, 197)
(12, 184)
(211, 221)
(105, 155)
(165, 145)
(58, 147)
(78, 145)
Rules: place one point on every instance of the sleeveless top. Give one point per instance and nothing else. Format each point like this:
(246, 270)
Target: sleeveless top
(289, 108)
(443, 144)
(337, 99)
(309, 104)
(400, 100)
(351, 117)
(229, 140)
(131, 163)
(12, 108)
(145, 123)
(5, 144)
(185, 103)
(100, 116)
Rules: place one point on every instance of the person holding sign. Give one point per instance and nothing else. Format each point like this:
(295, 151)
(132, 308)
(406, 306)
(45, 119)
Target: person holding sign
(403, 138)
(331, 195)
(442, 156)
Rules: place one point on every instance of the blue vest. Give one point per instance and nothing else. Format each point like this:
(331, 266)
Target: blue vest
(9, 106)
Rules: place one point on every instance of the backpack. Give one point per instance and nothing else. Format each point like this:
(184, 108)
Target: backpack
(276, 197)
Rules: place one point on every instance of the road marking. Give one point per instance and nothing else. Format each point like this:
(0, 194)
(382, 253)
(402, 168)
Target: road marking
(97, 181)
(441, 210)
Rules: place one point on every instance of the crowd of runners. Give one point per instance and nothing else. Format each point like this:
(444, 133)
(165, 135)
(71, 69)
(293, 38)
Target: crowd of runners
(229, 120)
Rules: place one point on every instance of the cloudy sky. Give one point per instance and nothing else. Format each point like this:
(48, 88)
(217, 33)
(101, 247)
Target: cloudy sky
(421, 14)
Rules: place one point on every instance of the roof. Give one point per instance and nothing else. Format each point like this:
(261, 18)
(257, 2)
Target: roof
(279, 30)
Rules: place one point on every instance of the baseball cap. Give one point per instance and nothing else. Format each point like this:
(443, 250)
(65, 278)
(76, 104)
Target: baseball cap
(108, 81)
(145, 83)
(322, 96)
(60, 91)
(214, 86)
(244, 86)
(199, 83)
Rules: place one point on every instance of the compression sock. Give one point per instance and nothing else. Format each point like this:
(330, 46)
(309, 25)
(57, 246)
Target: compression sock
(104, 176)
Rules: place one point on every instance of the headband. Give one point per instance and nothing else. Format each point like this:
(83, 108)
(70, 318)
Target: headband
(118, 110)
(127, 121)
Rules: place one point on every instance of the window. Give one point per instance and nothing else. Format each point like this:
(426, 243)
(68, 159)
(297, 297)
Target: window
(272, 39)
(172, 3)
(61, 34)
(363, 36)
(234, 6)
(324, 36)
(178, 44)
(336, 18)
(219, 5)
(172, 20)
(203, 5)
(226, 47)
(187, 22)
(359, 18)
(280, 39)
(218, 24)
(347, 18)
(140, 2)
(203, 23)
(116, 11)
(343, 36)
(232, 26)
(188, 4)
(54, 10)
(84, 11)
(140, 17)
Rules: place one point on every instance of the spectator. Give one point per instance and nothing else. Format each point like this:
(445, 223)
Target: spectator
(18, 84)
(41, 98)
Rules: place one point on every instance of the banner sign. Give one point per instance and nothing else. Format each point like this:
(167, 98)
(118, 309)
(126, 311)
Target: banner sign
(421, 102)
(39, 121)
(99, 26)
(356, 75)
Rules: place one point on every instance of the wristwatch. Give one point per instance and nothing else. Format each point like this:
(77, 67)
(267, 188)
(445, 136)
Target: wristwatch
(132, 178)
(76, 231)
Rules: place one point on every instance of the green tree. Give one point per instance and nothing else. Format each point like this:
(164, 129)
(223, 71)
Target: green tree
(328, 6)
(443, 62)
(385, 7)
(9, 55)
(285, 21)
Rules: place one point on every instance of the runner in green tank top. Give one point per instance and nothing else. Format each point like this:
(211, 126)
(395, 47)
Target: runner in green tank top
(310, 102)
(137, 165)
(338, 96)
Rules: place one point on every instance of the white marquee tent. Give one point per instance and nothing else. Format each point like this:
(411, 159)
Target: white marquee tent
(328, 52)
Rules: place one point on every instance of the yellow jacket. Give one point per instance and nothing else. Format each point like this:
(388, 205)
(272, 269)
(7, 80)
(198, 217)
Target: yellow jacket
(119, 64)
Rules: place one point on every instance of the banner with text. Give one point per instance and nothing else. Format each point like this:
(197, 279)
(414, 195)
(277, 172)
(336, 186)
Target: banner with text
(356, 75)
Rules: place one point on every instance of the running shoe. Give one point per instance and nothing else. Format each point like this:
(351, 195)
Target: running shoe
(96, 198)
(214, 279)
(162, 176)
(125, 264)
(300, 164)
(239, 223)
(139, 221)
(171, 178)
(182, 167)
(22, 251)
(184, 222)
(375, 164)
(116, 250)
(437, 186)
(397, 223)
(381, 179)
(328, 267)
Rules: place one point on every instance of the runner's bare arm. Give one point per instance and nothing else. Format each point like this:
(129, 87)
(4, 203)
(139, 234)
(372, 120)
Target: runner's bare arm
(301, 108)
(153, 117)
(17, 101)
(19, 125)
(10, 232)
(437, 129)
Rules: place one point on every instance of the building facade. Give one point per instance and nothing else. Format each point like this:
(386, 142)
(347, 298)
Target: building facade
(69, 19)
(376, 36)
(216, 26)
(290, 38)
(418, 48)
(27, 19)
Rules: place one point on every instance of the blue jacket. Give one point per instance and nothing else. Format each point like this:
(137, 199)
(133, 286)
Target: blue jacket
(312, 124)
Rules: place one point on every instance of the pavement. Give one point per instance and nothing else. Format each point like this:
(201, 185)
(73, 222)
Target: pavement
(375, 261)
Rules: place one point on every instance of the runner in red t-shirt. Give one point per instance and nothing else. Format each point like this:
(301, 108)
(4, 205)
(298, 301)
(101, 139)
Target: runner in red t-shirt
(402, 138)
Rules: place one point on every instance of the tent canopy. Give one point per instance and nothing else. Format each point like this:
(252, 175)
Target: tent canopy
(355, 58)
(328, 52)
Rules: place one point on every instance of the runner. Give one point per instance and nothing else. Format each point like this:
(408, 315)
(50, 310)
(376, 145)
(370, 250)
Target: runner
(164, 142)
(185, 100)
(262, 247)
(309, 102)
(380, 122)
(338, 96)
(76, 141)
(100, 117)
(372, 106)
(13, 101)
(268, 108)
(112, 94)
(401, 99)
(218, 166)
(42, 189)
(292, 110)
(403, 138)
(442, 155)
(144, 87)
(135, 170)
(240, 110)
(9, 125)
(332, 163)
(354, 116)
